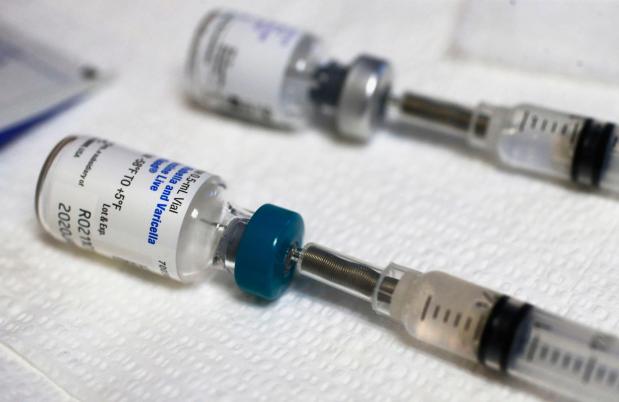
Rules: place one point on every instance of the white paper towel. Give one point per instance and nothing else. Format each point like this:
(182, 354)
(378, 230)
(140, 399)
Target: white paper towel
(575, 38)
(73, 325)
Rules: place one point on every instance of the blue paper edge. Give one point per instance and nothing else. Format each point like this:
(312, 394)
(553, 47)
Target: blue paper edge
(12, 131)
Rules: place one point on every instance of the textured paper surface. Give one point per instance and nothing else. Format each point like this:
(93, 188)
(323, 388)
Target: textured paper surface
(575, 38)
(77, 326)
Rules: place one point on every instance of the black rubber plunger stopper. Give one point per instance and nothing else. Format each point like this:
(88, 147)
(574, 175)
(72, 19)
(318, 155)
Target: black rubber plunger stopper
(592, 152)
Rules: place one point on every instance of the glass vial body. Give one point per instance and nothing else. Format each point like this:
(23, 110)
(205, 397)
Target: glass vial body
(531, 138)
(253, 69)
(158, 214)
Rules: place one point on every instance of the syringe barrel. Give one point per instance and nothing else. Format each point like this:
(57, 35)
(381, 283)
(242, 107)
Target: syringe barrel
(504, 334)
(548, 142)
(566, 357)
(439, 309)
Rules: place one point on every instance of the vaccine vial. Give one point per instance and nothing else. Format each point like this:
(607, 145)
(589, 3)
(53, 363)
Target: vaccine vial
(161, 215)
(266, 72)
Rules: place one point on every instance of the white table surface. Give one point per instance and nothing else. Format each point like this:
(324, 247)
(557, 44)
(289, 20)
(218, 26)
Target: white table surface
(77, 326)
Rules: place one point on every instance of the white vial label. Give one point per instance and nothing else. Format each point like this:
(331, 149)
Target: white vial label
(242, 60)
(118, 202)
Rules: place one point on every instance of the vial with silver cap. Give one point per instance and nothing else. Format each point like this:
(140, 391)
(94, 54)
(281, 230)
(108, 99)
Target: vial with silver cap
(273, 74)
(176, 221)
(161, 215)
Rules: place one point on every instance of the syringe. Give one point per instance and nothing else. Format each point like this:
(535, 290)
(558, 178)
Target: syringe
(525, 137)
(176, 221)
(270, 73)
(478, 324)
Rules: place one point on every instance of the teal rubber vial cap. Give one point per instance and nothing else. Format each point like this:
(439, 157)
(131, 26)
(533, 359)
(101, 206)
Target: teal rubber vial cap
(262, 265)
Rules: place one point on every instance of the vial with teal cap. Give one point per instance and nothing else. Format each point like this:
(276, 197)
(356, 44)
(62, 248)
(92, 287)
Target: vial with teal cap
(161, 215)
(176, 221)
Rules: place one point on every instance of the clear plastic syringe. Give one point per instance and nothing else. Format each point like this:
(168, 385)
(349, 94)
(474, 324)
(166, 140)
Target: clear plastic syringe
(178, 222)
(273, 74)
(525, 137)
(478, 324)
